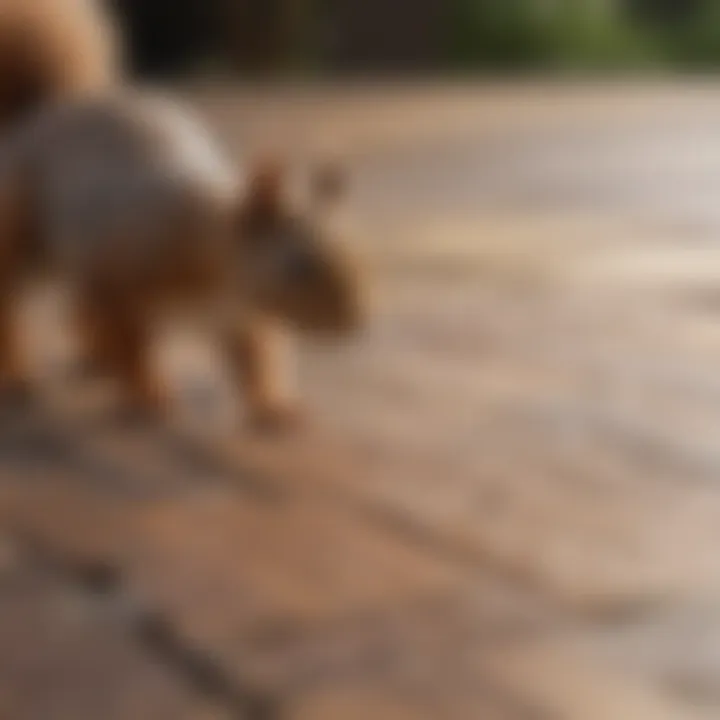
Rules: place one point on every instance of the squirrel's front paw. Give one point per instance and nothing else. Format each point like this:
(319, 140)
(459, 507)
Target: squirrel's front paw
(276, 418)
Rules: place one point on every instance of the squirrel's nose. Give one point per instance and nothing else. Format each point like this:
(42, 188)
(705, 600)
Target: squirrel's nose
(353, 315)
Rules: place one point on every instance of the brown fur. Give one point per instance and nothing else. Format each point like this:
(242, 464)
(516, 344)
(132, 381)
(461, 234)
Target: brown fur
(51, 49)
(125, 196)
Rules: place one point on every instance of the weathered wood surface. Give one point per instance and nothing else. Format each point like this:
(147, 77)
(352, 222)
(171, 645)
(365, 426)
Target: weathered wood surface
(507, 503)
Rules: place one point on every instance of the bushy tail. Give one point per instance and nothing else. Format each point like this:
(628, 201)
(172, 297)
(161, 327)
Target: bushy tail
(52, 49)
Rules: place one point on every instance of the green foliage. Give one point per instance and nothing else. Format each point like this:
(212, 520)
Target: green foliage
(696, 42)
(546, 34)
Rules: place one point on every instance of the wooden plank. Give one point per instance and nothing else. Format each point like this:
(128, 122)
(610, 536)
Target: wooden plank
(568, 685)
(229, 569)
(64, 656)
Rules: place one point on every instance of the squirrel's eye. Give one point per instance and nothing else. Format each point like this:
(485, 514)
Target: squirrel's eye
(298, 265)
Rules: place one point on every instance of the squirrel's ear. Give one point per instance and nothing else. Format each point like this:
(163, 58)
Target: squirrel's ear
(329, 183)
(264, 189)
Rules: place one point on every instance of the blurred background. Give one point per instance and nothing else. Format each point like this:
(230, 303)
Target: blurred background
(323, 37)
(505, 501)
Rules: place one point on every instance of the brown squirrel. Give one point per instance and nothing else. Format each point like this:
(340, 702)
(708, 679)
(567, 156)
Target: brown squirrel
(51, 49)
(126, 196)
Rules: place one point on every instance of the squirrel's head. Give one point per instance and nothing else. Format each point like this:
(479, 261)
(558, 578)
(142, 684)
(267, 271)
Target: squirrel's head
(293, 263)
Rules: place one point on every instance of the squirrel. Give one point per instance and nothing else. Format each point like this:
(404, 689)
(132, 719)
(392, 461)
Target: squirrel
(126, 196)
(52, 49)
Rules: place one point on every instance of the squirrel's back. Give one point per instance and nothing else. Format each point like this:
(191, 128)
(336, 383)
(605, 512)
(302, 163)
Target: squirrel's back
(125, 173)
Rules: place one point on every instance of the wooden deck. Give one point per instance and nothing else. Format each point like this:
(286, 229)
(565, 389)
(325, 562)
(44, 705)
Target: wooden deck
(506, 505)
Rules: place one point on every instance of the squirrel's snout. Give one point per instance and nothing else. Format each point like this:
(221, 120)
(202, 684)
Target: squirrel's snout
(355, 318)
(340, 317)
(351, 315)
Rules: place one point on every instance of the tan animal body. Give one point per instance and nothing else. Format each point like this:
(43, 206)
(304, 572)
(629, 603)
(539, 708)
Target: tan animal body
(51, 49)
(127, 197)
